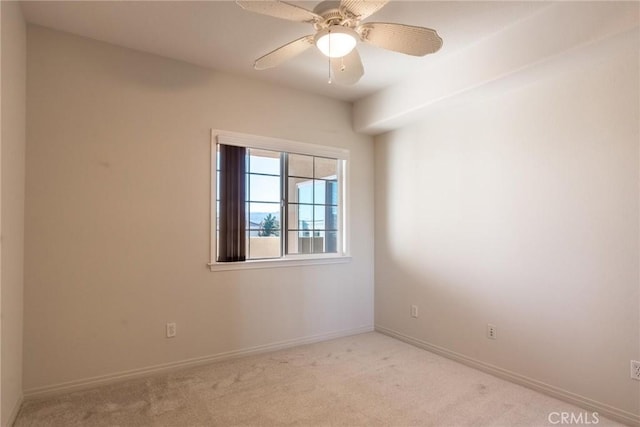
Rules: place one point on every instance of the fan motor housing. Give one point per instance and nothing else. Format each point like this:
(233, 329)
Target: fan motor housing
(330, 11)
(328, 7)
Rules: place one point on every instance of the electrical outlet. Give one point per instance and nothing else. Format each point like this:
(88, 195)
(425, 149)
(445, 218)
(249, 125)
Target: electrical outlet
(414, 311)
(635, 370)
(491, 331)
(171, 330)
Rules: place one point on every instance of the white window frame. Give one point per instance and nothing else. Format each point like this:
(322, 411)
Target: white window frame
(282, 145)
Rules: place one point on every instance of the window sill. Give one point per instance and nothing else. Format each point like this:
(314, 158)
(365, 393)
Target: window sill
(277, 263)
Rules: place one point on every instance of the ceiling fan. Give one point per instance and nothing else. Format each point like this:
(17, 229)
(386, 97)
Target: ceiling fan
(338, 28)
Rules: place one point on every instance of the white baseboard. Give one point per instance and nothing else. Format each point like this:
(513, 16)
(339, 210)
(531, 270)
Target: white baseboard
(51, 390)
(14, 411)
(603, 409)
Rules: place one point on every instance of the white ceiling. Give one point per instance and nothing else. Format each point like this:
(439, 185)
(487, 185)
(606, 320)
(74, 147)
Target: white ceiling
(222, 36)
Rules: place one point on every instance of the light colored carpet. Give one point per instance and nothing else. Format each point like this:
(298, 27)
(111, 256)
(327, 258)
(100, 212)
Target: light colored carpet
(362, 380)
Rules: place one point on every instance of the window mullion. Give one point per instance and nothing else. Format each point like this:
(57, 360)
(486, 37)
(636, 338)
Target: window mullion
(247, 200)
(342, 207)
(284, 204)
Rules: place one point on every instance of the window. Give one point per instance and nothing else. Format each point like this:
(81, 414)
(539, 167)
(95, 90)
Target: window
(312, 204)
(276, 202)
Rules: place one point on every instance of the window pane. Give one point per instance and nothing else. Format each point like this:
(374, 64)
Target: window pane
(218, 215)
(263, 232)
(319, 189)
(305, 217)
(331, 217)
(318, 218)
(264, 217)
(218, 186)
(300, 190)
(332, 193)
(300, 217)
(325, 168)
(318, 242)
(292, 219)
(264, 247)
(300, 242)
(300, 165)
(331, 242)
(263, 161)
(264, 188)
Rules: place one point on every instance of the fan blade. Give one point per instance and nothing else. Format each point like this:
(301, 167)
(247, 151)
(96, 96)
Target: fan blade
(361, 9)
(280, 9)
(283, 53)
(416, 41)
(348, 69)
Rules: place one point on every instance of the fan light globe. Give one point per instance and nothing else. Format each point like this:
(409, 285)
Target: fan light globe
(336, 41)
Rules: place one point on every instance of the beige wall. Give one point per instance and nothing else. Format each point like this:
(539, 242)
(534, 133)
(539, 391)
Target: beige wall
(521, 210)
(117, 214)
(14, 51)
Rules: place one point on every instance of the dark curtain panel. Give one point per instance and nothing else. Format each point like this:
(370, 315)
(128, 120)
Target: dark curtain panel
(231, 240)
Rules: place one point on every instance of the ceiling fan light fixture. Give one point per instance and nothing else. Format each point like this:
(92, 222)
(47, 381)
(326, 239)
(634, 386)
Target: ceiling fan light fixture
(336, 41)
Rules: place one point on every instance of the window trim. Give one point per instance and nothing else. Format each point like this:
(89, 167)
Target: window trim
(282, 145)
